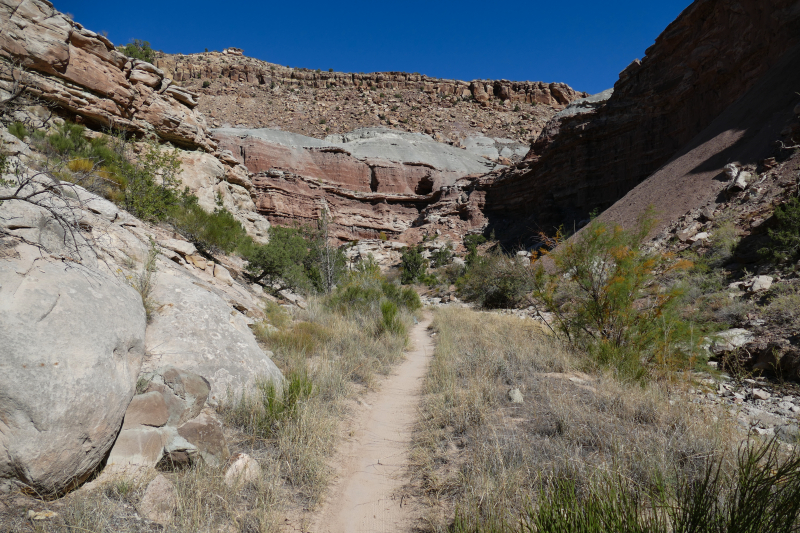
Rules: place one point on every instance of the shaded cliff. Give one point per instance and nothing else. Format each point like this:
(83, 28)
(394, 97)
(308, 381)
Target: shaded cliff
(707, 59)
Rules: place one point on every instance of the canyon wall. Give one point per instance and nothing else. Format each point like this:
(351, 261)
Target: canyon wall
(710, 56)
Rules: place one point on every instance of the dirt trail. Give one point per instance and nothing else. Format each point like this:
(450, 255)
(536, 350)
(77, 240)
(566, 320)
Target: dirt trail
(365, 497)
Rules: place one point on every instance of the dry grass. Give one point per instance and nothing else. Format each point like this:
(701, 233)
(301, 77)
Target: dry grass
(477, 452)
(205, 504)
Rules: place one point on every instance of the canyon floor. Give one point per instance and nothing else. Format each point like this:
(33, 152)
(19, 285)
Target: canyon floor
(372, 461)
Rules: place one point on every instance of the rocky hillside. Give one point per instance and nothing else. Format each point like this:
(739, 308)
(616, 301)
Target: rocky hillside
(240, 91)
(704, 62)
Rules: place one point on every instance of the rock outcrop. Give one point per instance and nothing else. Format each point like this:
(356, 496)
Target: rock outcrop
(71, 346)
(245, 92)
(73, 338)
(707, 59)
(81, 72)
(372, 180)
(168, 421)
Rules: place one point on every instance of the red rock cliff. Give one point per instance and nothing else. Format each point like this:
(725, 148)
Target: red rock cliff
(710, 56)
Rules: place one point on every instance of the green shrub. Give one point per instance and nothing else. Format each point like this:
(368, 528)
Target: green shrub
(603, 298)
(412, 264)
(259, 414)
(212, 232)
(281, 260)
(138, 49)
(18, 130)
(443, 256)
(151, 184)
(206, 84)
(390, 319)
(495, 281)
(785, 237)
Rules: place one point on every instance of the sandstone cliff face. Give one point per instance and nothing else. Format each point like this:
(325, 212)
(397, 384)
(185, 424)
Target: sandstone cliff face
(704, 61)
(372, 180)
(81, 72)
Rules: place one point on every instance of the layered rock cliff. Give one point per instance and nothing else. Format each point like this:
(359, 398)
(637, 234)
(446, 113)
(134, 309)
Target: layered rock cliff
(246, 92)
(708, 58)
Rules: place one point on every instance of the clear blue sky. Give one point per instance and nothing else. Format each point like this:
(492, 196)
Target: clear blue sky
(584, 43)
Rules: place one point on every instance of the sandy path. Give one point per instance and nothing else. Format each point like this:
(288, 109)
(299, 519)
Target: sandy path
(373, 461)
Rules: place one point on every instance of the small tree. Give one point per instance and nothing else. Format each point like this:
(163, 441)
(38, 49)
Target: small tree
(785, 237)
(413, 264)
(139, 49)
(443, 256)
(281, 261)
(326, 263)
(603, 297)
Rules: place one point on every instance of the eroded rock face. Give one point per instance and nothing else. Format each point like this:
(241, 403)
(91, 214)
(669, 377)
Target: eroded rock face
(195, 329)
(169, 422)
(372, 180)
(710, 56)
(81, 71)
(71, 340)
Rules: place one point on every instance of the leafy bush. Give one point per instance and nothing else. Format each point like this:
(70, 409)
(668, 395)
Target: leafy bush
(495, 281)
(603, 298)
(412, 264)
(281, 260)
(151, 183)
(785, 237)
(390, 319)
(215, 231)
(365, 290)
(206, 84)
(138, 49)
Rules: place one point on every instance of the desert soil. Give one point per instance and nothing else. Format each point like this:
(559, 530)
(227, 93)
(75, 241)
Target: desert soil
(372, 461)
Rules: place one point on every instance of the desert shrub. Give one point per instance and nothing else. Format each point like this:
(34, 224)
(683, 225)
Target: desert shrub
(281, 260)
(151, 183)
(258, 412)
(495, 281)
(18, 130)
(783, 304)
(303, 337)
(390, 319)
(413, 264)
(139, 49)
(785, 237)
(146, 186)
(206, 84)
(144, 281)
(443, 256)
(604, 299)
(724, 239)
(215, 231)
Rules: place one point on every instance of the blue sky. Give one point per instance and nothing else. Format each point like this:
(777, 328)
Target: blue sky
(584, 43)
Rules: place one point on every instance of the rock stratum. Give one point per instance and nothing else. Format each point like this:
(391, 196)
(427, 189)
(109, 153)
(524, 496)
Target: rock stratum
(245, 92)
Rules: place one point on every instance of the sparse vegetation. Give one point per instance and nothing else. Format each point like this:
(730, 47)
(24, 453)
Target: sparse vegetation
(493, 463)
(139, 49)
(785, 237)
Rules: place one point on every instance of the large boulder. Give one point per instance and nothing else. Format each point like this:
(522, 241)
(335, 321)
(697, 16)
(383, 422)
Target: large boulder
(71, 347)
(195, 329)
(169, 421)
